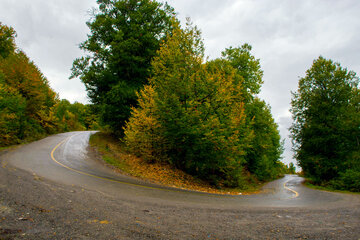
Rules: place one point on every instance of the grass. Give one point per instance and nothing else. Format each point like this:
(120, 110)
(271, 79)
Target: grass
(4, 148)
(8, 147)
(113, 153)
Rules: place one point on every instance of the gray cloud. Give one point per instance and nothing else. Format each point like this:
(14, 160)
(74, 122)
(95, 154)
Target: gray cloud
(286, 36)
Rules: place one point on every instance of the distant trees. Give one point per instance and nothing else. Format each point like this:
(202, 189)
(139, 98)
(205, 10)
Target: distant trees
(291, 168)
(193, 114)
(28, 105)
(325, 132)
(125, 36)
(76, 116)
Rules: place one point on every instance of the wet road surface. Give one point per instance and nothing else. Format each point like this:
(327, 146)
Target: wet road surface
(65, 159)
(56, 189)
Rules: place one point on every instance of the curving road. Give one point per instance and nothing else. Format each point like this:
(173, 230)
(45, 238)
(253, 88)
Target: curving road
(65, 160)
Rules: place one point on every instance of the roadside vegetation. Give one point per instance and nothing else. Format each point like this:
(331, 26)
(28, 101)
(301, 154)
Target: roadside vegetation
(174, 116)
(114, 154)
(325, 131)
(29, 108)
(155, 91)
(329, 188)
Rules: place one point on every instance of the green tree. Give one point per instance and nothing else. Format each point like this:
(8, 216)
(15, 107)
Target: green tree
(12, 114)
(248, 69)
(264, 152)
(74, 117)
(7, 40)
(196, 114)
(292, 168)
(22, 74)
(29, 108)
(326, 115)
(125, 35)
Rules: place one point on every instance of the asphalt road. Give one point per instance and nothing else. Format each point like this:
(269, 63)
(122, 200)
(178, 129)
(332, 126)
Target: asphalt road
(63, 166)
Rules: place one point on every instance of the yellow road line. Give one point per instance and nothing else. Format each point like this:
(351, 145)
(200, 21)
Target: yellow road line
(118, 181)
(291, 190)
(92, 175)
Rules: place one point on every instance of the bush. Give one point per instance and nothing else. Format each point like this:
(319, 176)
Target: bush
(348, 180)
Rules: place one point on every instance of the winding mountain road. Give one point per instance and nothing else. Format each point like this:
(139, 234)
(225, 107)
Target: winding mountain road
(61, 175)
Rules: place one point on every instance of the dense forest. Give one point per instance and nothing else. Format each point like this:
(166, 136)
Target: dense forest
(153, 88)
(29, 108)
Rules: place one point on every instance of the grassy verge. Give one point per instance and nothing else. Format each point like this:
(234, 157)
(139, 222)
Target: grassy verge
(309, 184)
(113, 152)
(3, 148)
(9, 147)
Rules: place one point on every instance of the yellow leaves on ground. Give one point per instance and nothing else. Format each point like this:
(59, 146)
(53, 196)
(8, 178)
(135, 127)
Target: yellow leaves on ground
(98, 221)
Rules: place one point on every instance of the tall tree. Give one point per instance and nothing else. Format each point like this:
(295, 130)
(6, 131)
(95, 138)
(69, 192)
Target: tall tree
(264, 152)
(194, 115)
(326, 115)
(125, 35)
(29, 108)
(26, 97)
(248, 69)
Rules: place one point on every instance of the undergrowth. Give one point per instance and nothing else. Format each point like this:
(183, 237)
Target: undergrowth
(328, 188)
(113, 153)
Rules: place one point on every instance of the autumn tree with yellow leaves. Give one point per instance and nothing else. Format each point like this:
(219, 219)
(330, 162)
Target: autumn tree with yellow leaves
(189, 116)
(29, 108)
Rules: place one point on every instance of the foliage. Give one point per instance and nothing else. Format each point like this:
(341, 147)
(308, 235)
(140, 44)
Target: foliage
(266, 148)
(292, 168)
(76, 116)
(326, 113)
(348, 180)
(264, 151)
(29, 108)
(187, 109)
(12, 108)
(7, 40)
(23, 83)
(114, 153)
(125, 35)
(193, 115)
(248, 69)
(144, 134)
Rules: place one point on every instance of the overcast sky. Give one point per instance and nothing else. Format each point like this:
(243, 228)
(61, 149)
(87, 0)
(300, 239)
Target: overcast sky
(285, 35)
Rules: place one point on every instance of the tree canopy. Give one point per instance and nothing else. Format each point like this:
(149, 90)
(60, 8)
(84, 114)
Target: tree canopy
(29, 108)
(325, 132)
(124, 38)
(247, 67)
(193, 114)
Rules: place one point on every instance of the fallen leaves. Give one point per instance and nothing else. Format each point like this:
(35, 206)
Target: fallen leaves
(98, 221)
(104, 222)
(160, 173)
